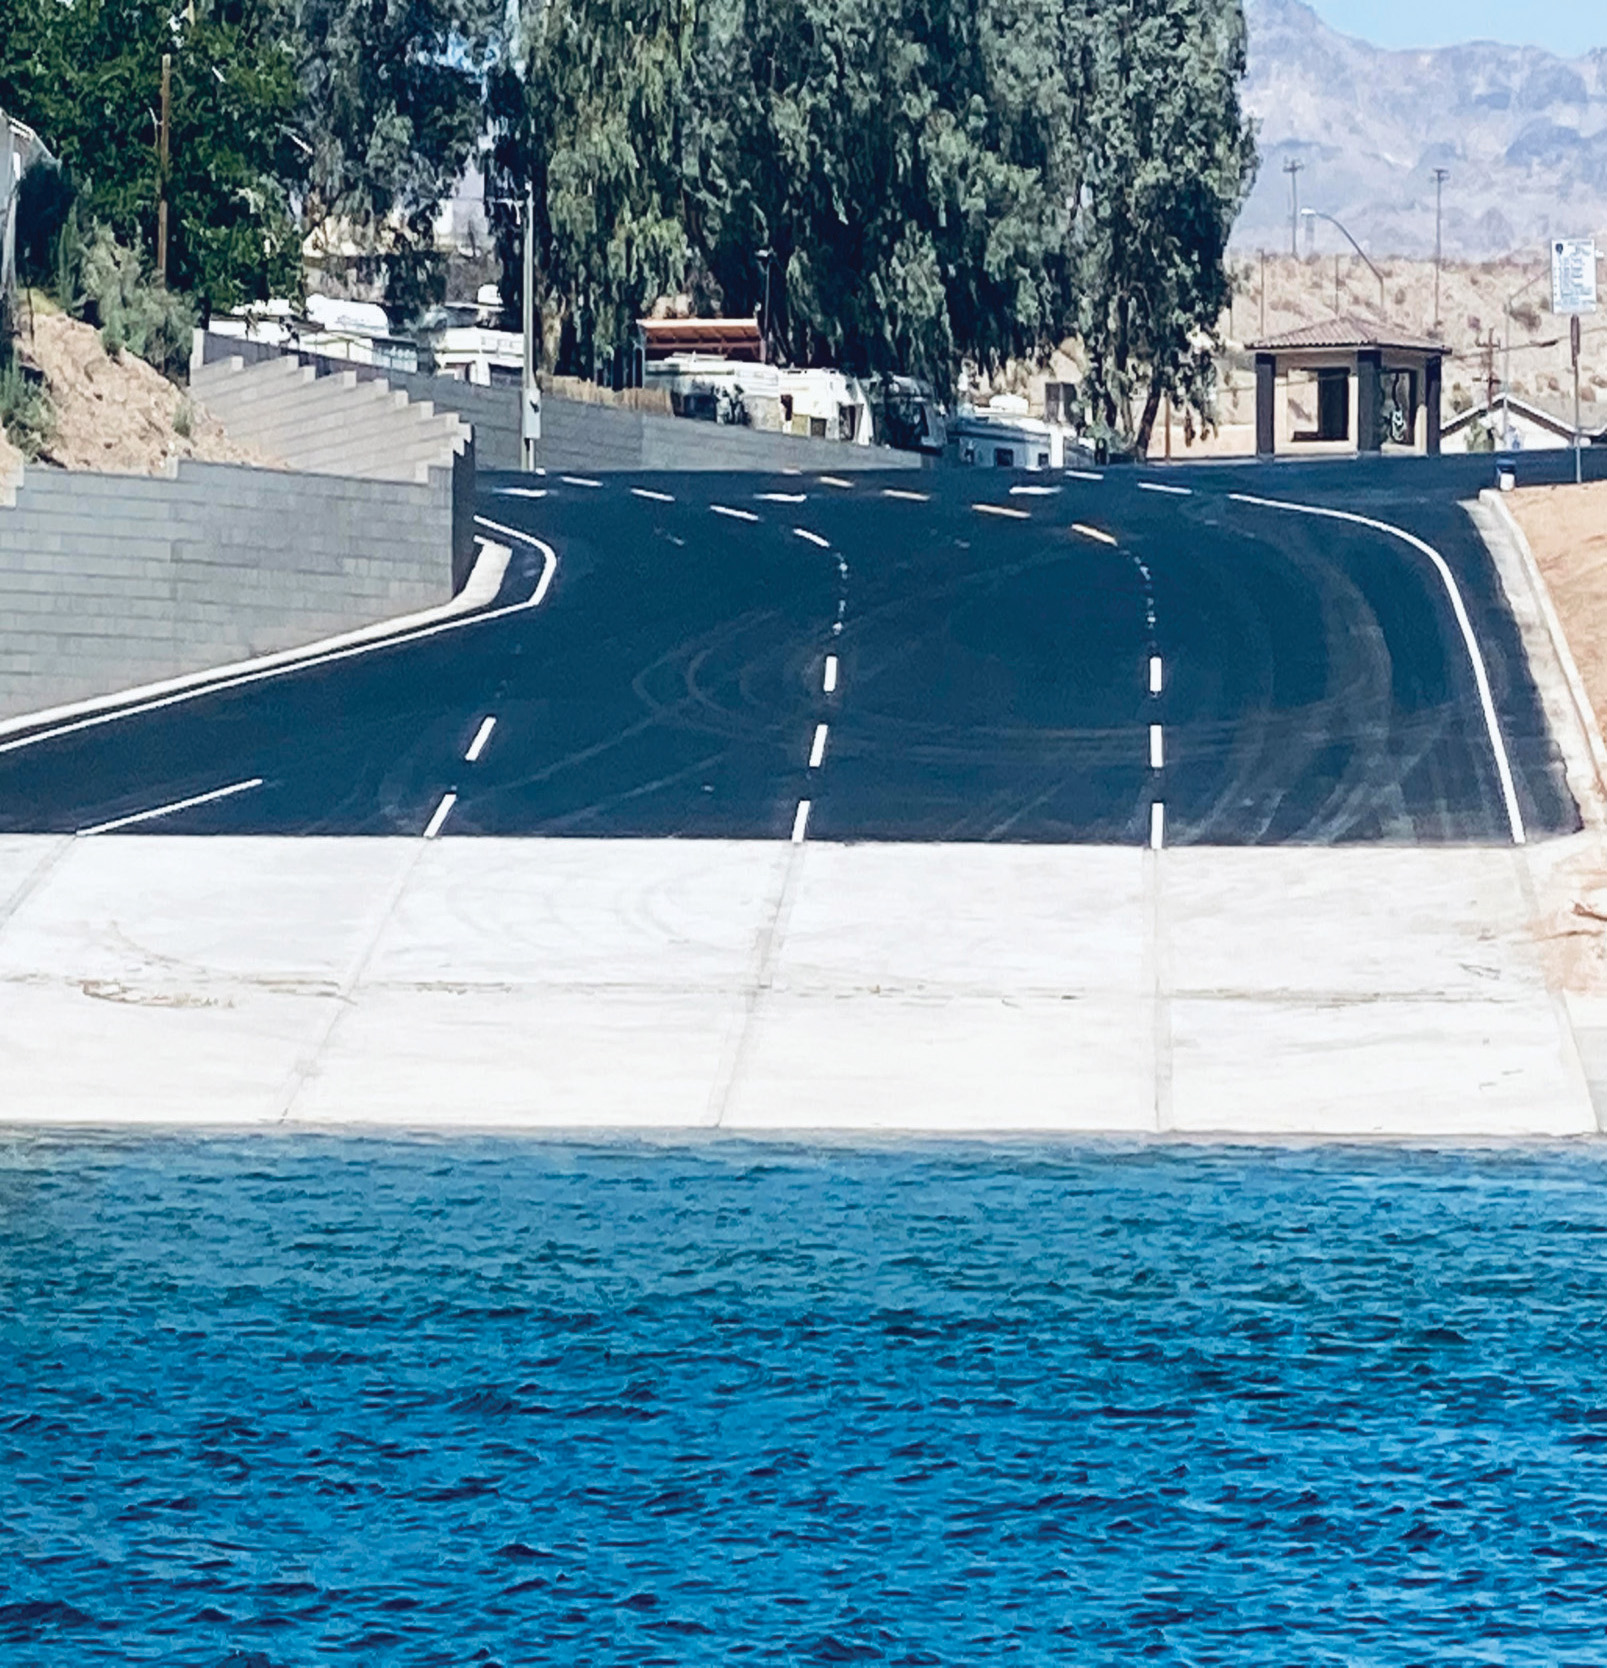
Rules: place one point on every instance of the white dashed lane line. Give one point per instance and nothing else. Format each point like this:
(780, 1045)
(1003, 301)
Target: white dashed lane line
(175, 805)
(521, 492)
(800, 822)
(836, 481)
(442, 811)
(1092, 533)
(735, 515)
(906, 497)
(813, 538)
(1084, 475)
(1157, 486)
(1033, 491)
(1004, 510)
(1154, 674)
(1157, 825)
(782, 497)
(818, 750)
(579, 480)
(653, 497)
(481, 737)
(1157, 748)
(829, 683)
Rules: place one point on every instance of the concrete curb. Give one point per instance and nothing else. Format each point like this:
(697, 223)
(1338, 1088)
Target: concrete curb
(1540, 592)
(485, 580)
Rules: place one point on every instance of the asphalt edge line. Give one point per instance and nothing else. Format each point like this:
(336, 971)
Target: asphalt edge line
(484, 581)
(218, 683)
(1584, 712)
(1481, 676)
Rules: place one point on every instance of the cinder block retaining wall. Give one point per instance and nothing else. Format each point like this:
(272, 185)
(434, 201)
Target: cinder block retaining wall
(107, 581)
(579, 436)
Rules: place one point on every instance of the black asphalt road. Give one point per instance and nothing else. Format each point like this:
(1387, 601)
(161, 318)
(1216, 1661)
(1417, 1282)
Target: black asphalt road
(993, 673)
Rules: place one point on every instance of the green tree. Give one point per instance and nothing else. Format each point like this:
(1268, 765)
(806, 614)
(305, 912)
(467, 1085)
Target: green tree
(87, 76)
(1169, 158)
(390, 107)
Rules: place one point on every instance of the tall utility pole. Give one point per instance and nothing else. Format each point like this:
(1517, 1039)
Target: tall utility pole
(1441, 175)
(162, 129)
(1292, 168)
(529, 386)
(1263, 292)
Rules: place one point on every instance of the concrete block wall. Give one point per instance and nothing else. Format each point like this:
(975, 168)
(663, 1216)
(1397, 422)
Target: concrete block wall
(107, 581)
(577, 435)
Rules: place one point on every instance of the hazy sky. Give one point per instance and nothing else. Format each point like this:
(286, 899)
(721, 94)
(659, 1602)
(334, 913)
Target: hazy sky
(1570, 27)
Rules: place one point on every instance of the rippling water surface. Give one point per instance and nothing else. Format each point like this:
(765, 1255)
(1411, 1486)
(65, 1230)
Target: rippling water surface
(288, 1401)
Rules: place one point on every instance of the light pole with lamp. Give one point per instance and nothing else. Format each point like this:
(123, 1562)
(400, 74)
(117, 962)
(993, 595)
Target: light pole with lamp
(1317, 214)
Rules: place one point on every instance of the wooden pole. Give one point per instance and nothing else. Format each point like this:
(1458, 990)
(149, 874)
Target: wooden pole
(161, 153)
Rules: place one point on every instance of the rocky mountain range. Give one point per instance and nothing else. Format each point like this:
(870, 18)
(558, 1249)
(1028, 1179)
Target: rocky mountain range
(1522, 132)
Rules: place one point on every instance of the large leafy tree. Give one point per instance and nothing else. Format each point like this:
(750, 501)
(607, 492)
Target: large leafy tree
(1170, 157)
(87, 76)
(390, 107)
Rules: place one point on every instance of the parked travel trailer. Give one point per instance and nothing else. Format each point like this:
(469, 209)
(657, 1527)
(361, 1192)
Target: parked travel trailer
(1001, 435)
(823, 404)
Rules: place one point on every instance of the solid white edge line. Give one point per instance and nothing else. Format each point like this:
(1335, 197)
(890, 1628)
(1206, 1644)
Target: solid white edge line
(169, 809)
(800, 822)
(1092, 532)
(1157, 747)
(485, 580)
(442, 812)
(1157, 486)
(275, 666)
(653, 497)
(830, 681)
(735, 515)
(813, 538)
(481, 737)
(1157, 825)
(1154, 674)
(1498, 746)
(818, 750)
(1003, 510)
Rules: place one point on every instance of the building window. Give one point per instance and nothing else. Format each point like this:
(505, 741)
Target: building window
(1003, 458)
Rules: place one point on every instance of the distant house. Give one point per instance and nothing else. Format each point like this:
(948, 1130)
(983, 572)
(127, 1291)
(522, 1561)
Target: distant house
(1511, 424)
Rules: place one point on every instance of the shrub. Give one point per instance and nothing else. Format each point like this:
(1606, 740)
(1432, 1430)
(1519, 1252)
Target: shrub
(25, 411)
(133, 312)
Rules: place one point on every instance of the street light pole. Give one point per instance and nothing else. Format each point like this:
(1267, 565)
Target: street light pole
(1441, 175)
(1317, 214)
(1292, 168)
(529, 387)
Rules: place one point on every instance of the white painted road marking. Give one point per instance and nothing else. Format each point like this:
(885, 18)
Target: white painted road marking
(834, 480)
(1004, 510)
(1498, 747)
(1157, 751)
(175, 805)
(1156, 486)
(1033, 491)
(800, 822)
(735, 515)
(782, 497)
(813, 538)
(1091, 532)
(579, 480)
(442, 812)
(831, 673)
(653, 497)
(907, 497)
(521, 492)
(818, 751)
(481, 737)
(1154, 674)
(1157, 825)
(1085, 475)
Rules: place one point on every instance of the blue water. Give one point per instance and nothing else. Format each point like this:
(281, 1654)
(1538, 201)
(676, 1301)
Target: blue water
(302, 1400)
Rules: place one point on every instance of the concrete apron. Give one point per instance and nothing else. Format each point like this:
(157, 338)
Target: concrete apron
(478, 983)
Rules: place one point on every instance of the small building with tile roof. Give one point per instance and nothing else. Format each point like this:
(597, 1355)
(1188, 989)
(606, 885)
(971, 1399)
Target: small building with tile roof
(1346, 385)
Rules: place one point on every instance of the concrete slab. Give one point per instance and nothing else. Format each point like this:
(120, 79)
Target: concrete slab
(763, 986)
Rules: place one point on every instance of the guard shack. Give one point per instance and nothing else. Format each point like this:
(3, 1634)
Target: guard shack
(1346, 386)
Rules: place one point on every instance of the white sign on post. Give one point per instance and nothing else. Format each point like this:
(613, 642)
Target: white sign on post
(1573, 275)
(530, 415)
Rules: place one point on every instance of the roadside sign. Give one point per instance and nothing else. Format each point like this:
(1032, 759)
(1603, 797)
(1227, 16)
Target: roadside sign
(530, 414)
(1573, 275)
